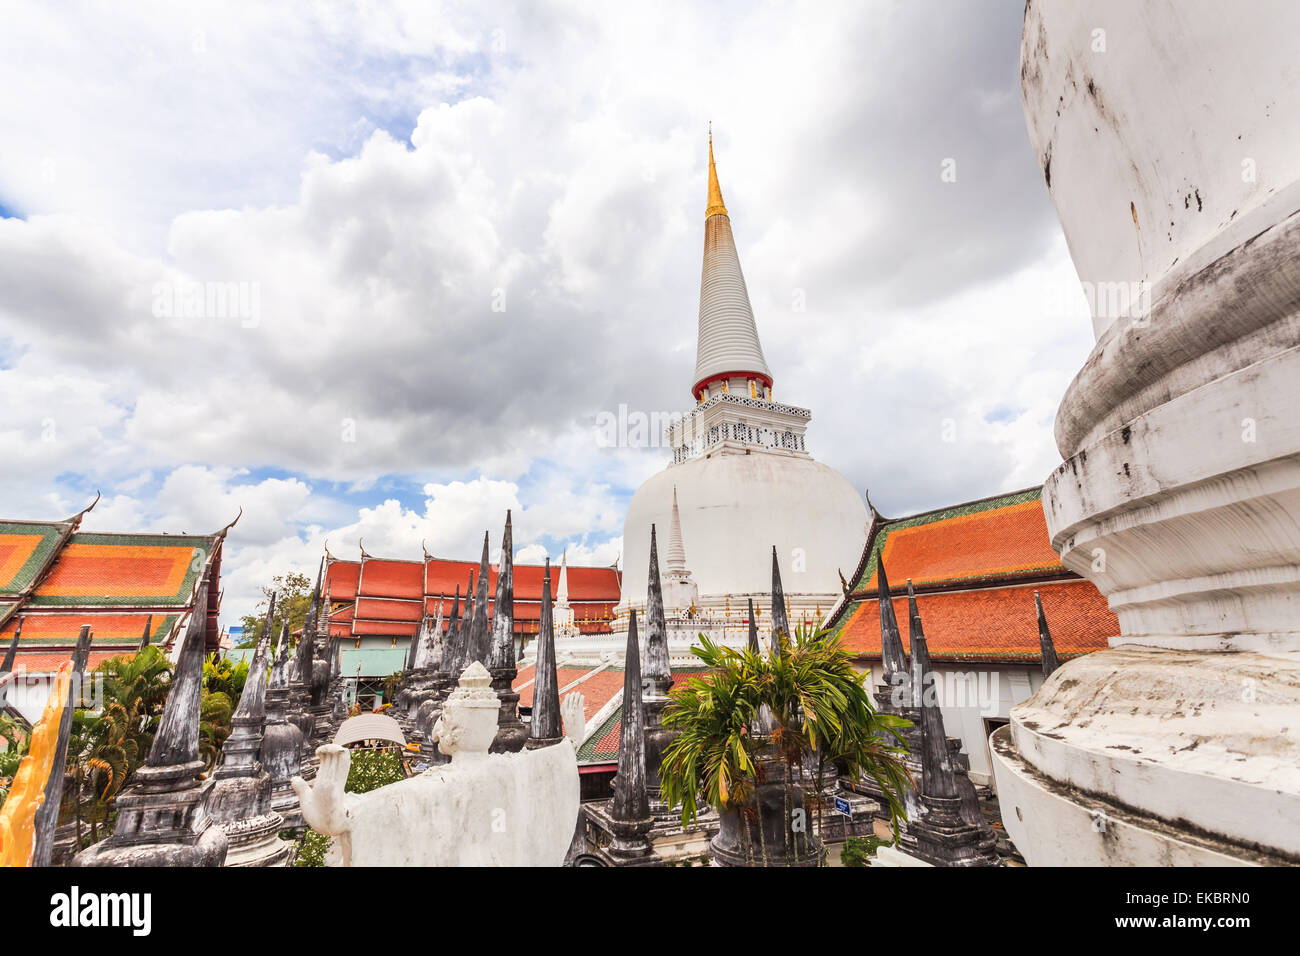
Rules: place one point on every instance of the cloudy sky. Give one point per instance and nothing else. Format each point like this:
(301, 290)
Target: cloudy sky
(462, 232)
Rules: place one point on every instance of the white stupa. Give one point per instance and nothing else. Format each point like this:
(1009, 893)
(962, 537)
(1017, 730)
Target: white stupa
(741, 480)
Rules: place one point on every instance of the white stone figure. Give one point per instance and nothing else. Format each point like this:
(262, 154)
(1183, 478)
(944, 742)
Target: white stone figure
(482, 809)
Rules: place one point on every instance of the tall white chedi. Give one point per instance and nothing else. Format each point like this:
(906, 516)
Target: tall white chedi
(740, 471)
(1168, 139)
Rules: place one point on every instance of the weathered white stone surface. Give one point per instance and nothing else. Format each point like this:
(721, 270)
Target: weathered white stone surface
(514, 809)
(1167, 138)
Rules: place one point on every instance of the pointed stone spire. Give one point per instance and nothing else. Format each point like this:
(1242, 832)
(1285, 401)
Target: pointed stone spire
(413, 649)
(676, 550)
(728, 344)
(501, 645)
(476, 648)
(144, 638)
(8, 666)
(943, 834)
(914, 686)
(240, 800)
(437, 645)
(177, 740)
(252, 700)
(658, 671)
(753, 629)
(415, 653)
(631, 802)
(47, 814)
(938, 778)
(546, 727)
(280, 670)
(303, 663)
(780, 623)
(451, 645)
(466, 618)
(891, 641)
(1050, 661)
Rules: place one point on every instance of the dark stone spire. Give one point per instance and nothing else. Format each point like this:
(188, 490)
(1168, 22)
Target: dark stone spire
(417, 638)
(252, 700)
(780, 624)
(944, 836)
(8, 666)
(1050, 661)
(144, 638)
(47, 814)
(658, 671)
(546, 728)
(753, 629)
(303, 664)
(476, 648)
(891, 641)
(501, 648)
(938, 779)
(177, 740)
(451, 649)
(511, 732)
(437, 646)
(280, 669)
(240, 801)
(630, 800)
(162, 817)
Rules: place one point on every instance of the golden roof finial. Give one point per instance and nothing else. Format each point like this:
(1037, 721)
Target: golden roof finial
(715, 206)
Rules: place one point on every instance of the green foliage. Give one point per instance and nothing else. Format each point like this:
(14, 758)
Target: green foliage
(391, 684)
(372, 769)
(858, 851)
(293, 595)
(221, 675)
(817, 701)
(15, 746)
(311, 849)
(214, 726)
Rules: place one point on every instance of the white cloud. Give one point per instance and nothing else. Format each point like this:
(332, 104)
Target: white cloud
(555, 162)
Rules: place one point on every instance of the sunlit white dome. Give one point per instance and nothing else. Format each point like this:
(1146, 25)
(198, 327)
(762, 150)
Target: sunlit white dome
(734, 508)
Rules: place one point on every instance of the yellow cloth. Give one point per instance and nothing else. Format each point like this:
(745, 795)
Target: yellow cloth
(18, 815)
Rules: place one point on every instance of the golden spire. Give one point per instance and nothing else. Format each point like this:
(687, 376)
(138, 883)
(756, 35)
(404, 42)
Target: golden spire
(715, 206)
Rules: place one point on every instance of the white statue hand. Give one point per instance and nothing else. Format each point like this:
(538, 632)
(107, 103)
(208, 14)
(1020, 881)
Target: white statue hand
(323, 804)
(573, 713)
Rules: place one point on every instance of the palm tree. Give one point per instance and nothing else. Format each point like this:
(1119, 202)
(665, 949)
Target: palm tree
(214, 726)
(804, 699)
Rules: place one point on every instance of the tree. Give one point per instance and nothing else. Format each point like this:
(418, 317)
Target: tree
(818, 705)
(221, 675)
(293, 596)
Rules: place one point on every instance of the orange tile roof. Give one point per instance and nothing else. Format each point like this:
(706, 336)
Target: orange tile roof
(1000, 538)
(975, 566)
(112, 582)
(47, 663)
(993, 624)
(61, 629)
(379, 590)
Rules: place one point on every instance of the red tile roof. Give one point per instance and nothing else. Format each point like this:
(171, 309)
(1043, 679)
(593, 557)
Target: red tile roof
(993, 624)
(48, 663)
(379, 592)
(975, 567)
(59, 579)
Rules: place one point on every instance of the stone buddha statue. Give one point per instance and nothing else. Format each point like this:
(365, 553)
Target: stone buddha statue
(481, 809)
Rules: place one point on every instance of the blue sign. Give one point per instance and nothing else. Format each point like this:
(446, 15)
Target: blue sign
(842, 806)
